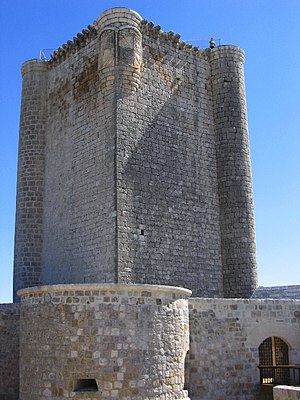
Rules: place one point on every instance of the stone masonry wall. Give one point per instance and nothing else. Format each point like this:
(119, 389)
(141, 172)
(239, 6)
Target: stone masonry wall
(286, 393)
(129, 340)
(79, 207)
(224, 340)
(134, 181)
(234, 172)
(9, 351)
(168, 207)
(277, 292)
(30, 185)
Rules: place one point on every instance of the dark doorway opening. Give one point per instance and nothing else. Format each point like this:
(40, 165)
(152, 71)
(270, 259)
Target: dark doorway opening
(86, 385)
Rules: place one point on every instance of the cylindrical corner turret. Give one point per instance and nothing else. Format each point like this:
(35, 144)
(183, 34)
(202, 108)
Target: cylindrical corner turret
(234, 172)
(30, 186)
(120, 48)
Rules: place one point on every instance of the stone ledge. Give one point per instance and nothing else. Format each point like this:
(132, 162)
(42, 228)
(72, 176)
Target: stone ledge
(286, 392)
(35, 65)
(105, 286)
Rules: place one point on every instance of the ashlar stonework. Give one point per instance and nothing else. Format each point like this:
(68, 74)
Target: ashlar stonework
(134, 193)
(134, 164)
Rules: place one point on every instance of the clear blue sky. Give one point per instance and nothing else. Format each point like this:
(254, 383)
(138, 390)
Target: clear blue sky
(268, 31)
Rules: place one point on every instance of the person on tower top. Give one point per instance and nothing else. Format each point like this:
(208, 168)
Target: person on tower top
(212, 43)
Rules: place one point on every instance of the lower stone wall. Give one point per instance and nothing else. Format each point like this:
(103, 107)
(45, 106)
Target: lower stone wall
(286, 393)
(224, 338)
(132, 341)
(9, 351)
(103, 341)
(277, 292)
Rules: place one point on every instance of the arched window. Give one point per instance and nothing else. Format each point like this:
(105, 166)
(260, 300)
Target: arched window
(274, 352)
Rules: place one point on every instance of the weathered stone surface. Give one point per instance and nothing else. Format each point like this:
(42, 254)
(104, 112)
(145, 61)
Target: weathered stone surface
(9, 351)
(140, 169)
(31, 168)
(286, 393)
(225, 335)
(277, 292)
(131, 339)
(234, 172)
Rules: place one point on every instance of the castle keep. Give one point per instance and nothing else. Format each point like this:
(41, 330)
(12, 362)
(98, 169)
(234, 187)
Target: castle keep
(134, 164)
(135, 241)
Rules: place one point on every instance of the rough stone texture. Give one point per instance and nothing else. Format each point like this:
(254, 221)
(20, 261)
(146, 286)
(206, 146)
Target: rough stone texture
(286, 393)
(9, 351)
(30, 186)
(224, 339)
(277, 292)
(167, 190)
(79, 207)
(234, 172)
(146, 164)
(132, 339)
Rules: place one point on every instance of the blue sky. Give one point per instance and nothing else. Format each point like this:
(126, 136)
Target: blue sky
(268, 31)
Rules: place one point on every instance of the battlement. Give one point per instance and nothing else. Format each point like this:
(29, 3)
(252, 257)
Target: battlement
(116, 17)
(136, 169)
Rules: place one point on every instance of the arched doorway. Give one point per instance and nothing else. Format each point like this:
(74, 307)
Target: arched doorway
(274, 352)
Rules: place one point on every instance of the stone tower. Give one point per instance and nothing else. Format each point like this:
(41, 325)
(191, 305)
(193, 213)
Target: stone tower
(134, 163)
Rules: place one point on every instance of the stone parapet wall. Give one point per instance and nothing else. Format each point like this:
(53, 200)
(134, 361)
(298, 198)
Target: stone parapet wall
(9, 351)
(225, 335)
(277, 292)
(286, 393)
(125, 341)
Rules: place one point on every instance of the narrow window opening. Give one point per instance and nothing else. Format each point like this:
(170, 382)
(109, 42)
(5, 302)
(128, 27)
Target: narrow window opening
(186, 385)
(86, 385)
(142, 232)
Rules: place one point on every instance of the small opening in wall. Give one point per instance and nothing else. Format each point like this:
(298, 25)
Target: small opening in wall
(142, 232)
(187, 371)
(86, 385)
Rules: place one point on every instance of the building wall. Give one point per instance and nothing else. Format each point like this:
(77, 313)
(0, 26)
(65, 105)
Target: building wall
(286, 393)
(168, 205)
(30, 182)
(131, 339)
(224, 339)
(234, 172)
(143, 142)
(79, 208)
(9, 351)
(277, 292)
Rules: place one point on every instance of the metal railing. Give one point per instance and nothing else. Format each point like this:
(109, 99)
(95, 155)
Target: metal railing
(280, 374)
(201, 43)
(45, 54)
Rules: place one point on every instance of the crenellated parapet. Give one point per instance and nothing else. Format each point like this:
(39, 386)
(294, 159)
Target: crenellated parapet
(130, 129)
(72, 46)
(120, 20)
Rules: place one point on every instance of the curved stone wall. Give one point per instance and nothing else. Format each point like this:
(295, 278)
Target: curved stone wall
(234, 172)
(120, 48)
(103, 341)
(30, 187)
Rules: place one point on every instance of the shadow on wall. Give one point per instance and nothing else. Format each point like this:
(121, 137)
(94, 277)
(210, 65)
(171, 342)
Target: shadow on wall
(168, 181)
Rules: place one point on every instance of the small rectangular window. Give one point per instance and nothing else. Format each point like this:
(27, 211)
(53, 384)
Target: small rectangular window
(86, 385)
